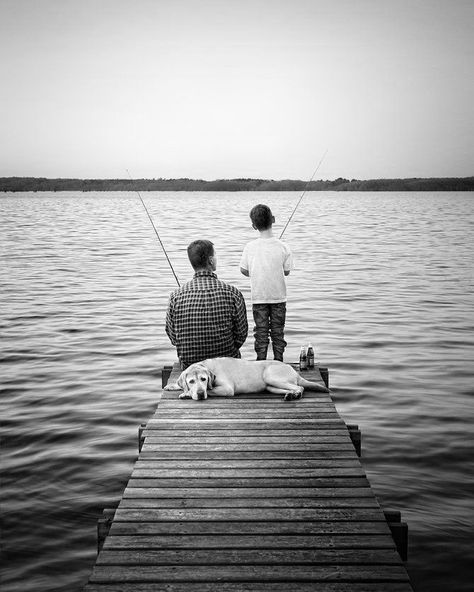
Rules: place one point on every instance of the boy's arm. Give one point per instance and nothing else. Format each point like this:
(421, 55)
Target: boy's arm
(244, 264)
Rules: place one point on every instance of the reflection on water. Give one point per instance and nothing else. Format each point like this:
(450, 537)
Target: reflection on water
(383, 287)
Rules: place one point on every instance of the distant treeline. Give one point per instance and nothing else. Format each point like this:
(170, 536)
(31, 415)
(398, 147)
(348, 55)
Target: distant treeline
(340, 184)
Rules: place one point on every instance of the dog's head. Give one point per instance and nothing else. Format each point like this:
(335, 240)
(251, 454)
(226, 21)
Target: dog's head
(196, 381)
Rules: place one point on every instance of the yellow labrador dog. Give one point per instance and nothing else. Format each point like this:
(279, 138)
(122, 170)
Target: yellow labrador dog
(226, 377)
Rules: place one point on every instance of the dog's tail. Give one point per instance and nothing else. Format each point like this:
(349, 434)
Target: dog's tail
(312, 386)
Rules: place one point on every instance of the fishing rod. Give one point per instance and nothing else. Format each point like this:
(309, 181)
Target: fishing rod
(305, 189)
(156, 232)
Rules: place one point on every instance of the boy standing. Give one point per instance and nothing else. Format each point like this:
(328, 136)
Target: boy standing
(267, 260)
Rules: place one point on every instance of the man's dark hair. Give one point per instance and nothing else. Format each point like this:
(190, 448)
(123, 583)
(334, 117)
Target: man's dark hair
(261, 216)
(199, 252)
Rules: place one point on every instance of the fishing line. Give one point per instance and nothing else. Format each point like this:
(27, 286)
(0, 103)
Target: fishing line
(305, 189)
(156, 232)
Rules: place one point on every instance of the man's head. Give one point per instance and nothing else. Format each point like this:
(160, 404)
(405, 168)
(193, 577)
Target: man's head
(261, 216)
(201, 255)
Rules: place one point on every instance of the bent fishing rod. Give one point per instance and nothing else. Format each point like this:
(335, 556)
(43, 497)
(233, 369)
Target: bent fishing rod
(304, 191)
(156, 232)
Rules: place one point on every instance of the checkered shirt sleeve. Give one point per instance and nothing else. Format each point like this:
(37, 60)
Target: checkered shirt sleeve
(206, 318)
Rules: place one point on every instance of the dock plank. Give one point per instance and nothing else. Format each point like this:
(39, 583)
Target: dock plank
(221, 586)
(238, 463)
(254, 527)
(249, 573)
(247, 502)
(289, 493)
(255, 556)
(249, 541)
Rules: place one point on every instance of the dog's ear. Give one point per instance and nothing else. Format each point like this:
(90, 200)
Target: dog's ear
(212, 379)
(182, 381)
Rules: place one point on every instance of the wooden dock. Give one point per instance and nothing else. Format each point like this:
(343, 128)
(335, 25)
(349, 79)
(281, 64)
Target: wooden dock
(250, 493)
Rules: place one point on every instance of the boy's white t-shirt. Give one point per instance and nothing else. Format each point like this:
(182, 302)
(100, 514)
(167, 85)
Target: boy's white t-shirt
(266, 260)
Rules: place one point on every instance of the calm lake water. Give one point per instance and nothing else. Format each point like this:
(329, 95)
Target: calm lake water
(383, 288)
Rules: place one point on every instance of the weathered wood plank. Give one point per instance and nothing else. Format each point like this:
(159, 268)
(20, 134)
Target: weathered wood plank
(221, 586)
(255, 415)
(249, 514)
(262, 439)
(249, 541)
(249, 573)
(259, 412)
(257, 556)
(208, 406)
(261, 396)
(244, 527)
(256, 482)
(284, 422)
(309, 447)
(241, 473)
(257, 463)
(249, 502)
(253, 492)
(332, 430)
(153, 450)
(232, 402)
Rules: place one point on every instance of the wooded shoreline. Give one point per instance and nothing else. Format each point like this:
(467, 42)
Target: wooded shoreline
(25, 184)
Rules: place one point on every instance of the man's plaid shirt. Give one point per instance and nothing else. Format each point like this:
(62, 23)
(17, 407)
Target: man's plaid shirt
(206, 318)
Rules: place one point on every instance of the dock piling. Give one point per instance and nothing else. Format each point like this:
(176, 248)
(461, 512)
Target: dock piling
(103, 527)
(141, 438)
(324, 375)
(399, 532)
(165, 375)
(356, 437)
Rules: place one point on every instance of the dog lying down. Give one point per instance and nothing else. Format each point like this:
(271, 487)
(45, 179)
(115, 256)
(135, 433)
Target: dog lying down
(226, 377)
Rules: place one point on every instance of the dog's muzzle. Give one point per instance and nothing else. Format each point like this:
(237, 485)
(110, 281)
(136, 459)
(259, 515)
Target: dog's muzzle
(201, 396)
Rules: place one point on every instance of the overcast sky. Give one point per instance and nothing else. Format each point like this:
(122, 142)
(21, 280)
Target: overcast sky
(236, 88)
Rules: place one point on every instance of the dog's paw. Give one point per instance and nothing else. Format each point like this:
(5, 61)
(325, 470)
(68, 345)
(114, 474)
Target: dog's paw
(293, 395)
(172, 387)
(184, 396)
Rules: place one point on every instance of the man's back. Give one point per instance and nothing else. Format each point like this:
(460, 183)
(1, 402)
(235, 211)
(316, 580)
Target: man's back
(206, 318)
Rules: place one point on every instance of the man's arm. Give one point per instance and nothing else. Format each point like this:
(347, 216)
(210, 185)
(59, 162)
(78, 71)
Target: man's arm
(241, 327)
(170, 321)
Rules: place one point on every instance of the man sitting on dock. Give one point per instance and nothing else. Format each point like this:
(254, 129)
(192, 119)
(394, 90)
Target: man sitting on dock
(206, 318)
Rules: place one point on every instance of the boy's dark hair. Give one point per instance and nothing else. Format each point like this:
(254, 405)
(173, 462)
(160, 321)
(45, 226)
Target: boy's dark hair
(199, 252)
(261, 216)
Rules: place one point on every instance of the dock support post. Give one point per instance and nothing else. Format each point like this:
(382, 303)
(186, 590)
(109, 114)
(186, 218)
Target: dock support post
(356, 437)
(399, 532)
(141, 437)
(103, 527)
(165, 374)
(324, 375)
